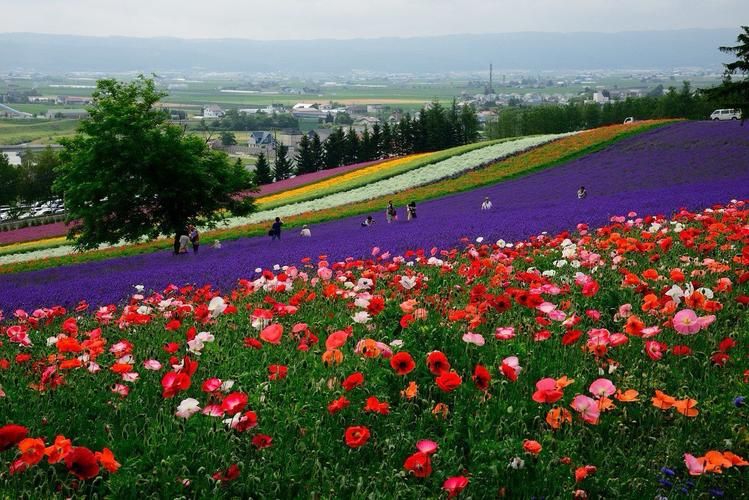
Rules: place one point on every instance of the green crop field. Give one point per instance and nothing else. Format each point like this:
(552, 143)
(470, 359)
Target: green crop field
(41, 132)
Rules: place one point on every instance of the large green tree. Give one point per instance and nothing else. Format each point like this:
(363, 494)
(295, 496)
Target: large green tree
(263, 174)
(129, 173)
(736, 92)
(282, 168)
(9, 176)
(305, 159)
(38, 174)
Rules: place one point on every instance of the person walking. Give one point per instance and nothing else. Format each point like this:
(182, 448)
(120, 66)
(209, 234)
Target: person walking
(390, 212)
(581, 193)
(306, 233)
(411, 210)
(194, 236)
(487, 204)
(275, 230)
(184, 240)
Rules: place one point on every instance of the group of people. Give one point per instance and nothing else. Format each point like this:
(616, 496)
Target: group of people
(391, 214)
(189, 236)
(275, 230)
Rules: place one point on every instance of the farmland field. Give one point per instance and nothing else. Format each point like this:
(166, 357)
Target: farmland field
(40, 132)
(548, 347)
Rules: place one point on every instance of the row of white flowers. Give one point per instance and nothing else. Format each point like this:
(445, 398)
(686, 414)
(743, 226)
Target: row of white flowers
(418, 177)
(421, 176)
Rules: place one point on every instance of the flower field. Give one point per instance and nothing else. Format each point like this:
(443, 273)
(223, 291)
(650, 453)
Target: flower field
(42, 255)
(366, 175)
(419, 176)
(590, 363)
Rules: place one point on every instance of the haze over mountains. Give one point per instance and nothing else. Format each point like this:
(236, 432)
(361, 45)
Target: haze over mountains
(520, 51)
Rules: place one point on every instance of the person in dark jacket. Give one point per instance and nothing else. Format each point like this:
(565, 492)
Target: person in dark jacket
(275, 230)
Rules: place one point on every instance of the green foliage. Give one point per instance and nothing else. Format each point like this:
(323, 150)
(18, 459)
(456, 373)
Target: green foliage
(305, 159)
(263, 174)
(551, 119)
(343, 119)
(282, 168)
(234, 120)
(9, 177)
(228, 138)
(129, 173)
(735, 93)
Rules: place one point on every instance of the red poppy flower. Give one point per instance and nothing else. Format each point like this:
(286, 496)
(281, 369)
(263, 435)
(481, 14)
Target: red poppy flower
(234, 402)
(449, 381)
(229, 474)
(481, 377)
(11, 435)
(454, 485)
(532, 447)
(173, 382)
(252, 343)
(374, 405)
(81, 462)
(571, 336)
(261, 441)
(338, 405)
(277, 372)
(419, 464)
(402, 363)
(655, 349)
(354, 380)
(437, 363)
(356, 436)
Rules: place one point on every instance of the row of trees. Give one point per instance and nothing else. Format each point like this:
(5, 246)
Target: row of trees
(682, 103)
(432, 129)
(31, 181)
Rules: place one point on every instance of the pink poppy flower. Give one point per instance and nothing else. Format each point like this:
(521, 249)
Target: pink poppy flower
(426, 446)
(695, 466)
(686, 322)
(473, 338)
(504, 333)
(587, 407)
(602, 387)
(547, 391)
(272, 333)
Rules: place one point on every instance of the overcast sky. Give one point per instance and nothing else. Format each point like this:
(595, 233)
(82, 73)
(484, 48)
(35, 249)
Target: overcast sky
(307, 19)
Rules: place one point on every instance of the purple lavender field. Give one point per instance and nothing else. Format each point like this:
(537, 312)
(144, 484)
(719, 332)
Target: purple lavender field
(688, 164)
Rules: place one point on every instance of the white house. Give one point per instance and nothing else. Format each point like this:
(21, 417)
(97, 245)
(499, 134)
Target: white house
(213, 111)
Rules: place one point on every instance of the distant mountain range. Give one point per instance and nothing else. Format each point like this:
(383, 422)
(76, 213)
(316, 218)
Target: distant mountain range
(522, 51)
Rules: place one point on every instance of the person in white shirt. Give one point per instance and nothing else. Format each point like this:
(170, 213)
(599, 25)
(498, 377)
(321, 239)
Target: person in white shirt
(581, 193)
(487, 204)
(305, 231)
(184, 240)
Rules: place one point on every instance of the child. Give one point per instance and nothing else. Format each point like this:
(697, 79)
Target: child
(487, 205)
(411, 210)
(581, 193)
(368, 221)
(305, 231)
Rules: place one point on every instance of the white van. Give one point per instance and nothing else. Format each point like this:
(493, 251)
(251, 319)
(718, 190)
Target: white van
(726, 114)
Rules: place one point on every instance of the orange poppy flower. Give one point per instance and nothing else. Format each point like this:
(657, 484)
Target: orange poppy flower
(558, 416)
(716, 462)
(628, 396)
(563, 382)
(70, 364)
(122, 368)
(605, 404)
(441, 410)
(662, 400)
(735, 459)
(650, 302)
(58, 450)
(410, 391)
(634, 325)
(687, 407)
(32, 450)
(333, 357)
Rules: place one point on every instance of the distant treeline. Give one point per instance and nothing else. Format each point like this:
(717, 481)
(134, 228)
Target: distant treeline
(433, 128)
(547, 119)
(234, 120)
(31, 181)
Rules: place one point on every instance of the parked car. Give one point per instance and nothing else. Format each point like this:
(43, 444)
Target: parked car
(726, 114)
